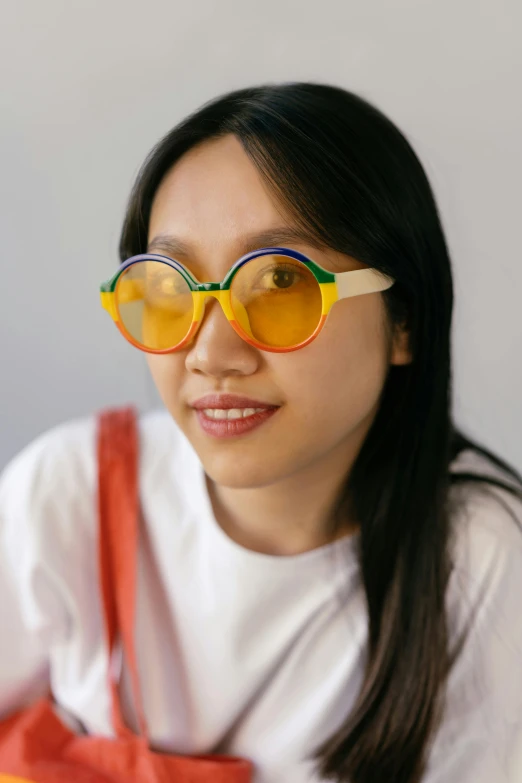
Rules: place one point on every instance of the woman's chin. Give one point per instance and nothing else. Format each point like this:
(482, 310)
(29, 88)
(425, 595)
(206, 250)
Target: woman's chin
(247, 475)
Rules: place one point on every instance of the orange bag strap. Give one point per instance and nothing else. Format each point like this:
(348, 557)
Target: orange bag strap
(118, 534)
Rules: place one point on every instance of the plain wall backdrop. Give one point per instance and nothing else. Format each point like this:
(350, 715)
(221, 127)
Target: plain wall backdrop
(88, 87)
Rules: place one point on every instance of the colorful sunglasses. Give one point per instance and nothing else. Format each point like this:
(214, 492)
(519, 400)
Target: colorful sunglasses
(276, 299)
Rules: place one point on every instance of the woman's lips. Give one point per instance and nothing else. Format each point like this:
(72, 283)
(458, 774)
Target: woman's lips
(230, 428)
(231, 415)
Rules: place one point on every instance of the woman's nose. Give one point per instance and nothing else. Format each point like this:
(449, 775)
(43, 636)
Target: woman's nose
(217, 350)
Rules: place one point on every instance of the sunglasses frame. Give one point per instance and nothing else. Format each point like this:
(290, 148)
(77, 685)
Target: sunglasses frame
(334, 287)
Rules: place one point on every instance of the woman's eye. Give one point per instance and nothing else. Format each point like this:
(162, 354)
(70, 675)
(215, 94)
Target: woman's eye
(278, 278)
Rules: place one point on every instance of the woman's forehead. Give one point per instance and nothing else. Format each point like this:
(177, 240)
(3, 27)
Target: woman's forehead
(213, 206)
(215, 182)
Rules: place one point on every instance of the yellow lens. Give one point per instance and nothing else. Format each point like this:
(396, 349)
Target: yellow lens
(155, 304)
(281, 299)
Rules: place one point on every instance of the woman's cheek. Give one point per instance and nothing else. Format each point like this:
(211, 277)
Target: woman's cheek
(167, 374)
(340, 376)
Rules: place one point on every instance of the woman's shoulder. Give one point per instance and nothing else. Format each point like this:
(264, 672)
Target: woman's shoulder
(486, 547)
(485, 516)
(483, 701)
(55, 464)
(57, 471)
(49, 519)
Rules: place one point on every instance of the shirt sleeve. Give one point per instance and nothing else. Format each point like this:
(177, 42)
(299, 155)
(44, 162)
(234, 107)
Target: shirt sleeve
(480, 739)
(40, 495)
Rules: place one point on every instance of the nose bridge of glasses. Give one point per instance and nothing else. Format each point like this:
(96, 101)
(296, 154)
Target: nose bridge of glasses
(238, 315)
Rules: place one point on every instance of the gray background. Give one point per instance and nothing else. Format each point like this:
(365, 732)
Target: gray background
(88, 87)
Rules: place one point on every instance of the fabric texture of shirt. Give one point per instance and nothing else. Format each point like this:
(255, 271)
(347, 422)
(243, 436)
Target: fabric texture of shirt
(273, 646)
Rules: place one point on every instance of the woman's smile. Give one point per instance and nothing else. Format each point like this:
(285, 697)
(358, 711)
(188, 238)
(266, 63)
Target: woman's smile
(231, 415)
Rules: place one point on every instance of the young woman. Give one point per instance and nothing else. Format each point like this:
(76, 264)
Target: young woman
(328, 572)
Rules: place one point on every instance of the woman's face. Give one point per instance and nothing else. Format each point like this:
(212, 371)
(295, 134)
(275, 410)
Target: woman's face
(327, 393)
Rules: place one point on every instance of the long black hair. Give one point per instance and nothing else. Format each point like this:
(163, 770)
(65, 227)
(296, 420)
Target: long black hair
(352, 181)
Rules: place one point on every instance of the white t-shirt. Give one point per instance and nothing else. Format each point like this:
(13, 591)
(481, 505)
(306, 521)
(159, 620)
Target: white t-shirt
(238, 652)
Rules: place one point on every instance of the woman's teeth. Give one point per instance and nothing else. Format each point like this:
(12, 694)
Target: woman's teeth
(231, 413)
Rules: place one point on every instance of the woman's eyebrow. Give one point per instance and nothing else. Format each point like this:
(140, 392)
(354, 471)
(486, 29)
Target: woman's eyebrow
(272, 237)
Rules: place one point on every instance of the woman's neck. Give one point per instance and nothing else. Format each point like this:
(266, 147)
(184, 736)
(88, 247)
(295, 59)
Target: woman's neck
(290, 517)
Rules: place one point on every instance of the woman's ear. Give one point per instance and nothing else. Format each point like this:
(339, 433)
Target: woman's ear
(400, 349)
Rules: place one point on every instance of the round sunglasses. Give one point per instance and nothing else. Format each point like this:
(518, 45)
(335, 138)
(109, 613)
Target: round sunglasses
(275, 298)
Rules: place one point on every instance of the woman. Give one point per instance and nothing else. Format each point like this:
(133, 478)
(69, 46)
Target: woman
(328, 570)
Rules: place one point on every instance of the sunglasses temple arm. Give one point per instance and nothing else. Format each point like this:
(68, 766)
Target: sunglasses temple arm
(361, 281)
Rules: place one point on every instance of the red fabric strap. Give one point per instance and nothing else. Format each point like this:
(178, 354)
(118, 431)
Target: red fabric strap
(118, 527)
